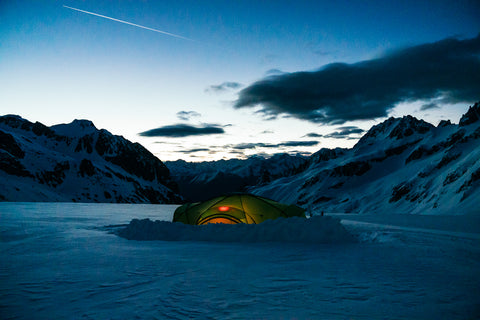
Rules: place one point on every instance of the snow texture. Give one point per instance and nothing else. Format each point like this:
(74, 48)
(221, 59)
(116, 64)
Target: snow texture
(295, 229)
(61, 261)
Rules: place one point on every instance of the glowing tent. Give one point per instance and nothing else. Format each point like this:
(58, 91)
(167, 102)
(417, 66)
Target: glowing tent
(235, 208)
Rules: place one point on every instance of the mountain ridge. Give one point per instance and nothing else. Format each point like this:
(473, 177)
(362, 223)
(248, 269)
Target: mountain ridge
(78, 162)
(403, 165)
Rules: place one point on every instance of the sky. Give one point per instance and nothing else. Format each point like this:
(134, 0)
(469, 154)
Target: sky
(210, 80)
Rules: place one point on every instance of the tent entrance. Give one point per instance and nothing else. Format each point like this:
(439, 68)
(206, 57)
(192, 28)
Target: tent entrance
(219, 219)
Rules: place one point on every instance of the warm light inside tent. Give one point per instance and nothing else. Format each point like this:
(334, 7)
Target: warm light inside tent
(219, 220)
(223, 208)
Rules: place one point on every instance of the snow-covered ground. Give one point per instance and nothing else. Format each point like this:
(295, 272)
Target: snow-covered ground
(59, 261)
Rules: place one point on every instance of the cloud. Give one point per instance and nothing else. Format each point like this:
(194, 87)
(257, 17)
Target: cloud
(182, 130)
(194, 150)
(428, 106)
(313, 135)
(244, 146)
(187, 115)
(446, 70)
(344, 132)
(224, 87)
(298, 144)
(274, 72)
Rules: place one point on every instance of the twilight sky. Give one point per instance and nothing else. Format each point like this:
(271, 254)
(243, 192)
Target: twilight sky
(206, 80)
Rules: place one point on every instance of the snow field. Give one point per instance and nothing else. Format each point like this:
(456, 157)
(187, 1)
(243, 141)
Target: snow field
(58, 261)
(315, 230)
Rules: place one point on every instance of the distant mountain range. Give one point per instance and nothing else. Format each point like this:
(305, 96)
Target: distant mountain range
(203, 180)
(403, 165)
(78, 162)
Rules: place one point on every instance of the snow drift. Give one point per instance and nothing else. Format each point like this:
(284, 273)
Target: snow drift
(314, 230)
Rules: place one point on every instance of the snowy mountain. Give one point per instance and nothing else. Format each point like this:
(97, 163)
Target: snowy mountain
(402, 165)
(202, 180)
(77, 162)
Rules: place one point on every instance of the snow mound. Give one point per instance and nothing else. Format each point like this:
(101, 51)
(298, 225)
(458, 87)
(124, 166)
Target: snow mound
(314, 230)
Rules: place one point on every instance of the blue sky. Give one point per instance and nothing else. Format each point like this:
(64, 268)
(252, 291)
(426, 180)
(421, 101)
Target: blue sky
(236, 89)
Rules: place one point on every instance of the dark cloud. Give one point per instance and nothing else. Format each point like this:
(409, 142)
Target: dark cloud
(224, 87)
(298, 144)
(313, 135)
(244, 146)
(187, 115)
(274, 72)
(182, 130)
(195, 150)
(429, 106)
(447, 70)
(206, 124)
(344, 132)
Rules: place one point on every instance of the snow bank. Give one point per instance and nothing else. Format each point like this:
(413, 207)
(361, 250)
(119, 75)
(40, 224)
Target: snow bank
(314, 230)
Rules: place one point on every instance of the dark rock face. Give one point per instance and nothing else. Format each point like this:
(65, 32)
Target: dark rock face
(86, 168)
(8, 143)
(133, 158)
(11, 165)
(399, 191)
(137, 160)
(56, 176)
(356, 168)
(104, 144)
(85, 143)
(423, 151)
(474, 177)
(472, 115)
(418, 153)
(444, 123)
(326, 154)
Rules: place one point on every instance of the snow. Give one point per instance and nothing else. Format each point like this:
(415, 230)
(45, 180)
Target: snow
(76, 162)
(77, 128)
(61, 261)
(315, 230)
(401, 165)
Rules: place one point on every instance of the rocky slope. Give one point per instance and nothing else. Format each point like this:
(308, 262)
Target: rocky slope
(77, 162)
(402, 165)
(203, 180)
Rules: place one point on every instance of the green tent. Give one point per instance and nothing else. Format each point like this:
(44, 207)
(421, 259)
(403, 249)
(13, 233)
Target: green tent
(235, 208)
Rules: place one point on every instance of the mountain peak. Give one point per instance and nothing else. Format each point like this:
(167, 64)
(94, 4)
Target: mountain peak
(76, 128)
(12, 120)
(397, 128)
(83, 123)
(472, 115)
(77, 162)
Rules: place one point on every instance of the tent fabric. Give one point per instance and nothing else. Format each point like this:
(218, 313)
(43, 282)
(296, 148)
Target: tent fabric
(233, 209)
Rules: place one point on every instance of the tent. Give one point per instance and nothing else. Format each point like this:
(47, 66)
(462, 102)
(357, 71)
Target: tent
(233, 209)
